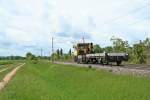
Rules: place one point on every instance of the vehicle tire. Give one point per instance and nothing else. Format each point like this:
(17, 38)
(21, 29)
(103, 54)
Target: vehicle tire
(107, 63)
(78, 61)
(118, 63)
(101, 62)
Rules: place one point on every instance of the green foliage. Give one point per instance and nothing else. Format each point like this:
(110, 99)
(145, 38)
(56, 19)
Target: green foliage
(69, 52)
(66, 57)
(146, 42)
(6, 62)
(11, 57)
(108, 49)
(119, 45)
(9, 67)
(61, 52)
(138, 53)
(55, 56)
(31, 57)
(97, 49)
(60, 56)
(58, 53)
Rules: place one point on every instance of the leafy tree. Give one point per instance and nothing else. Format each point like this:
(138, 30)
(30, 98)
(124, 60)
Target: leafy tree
(108, 49)
(138, 53)
(53, 56)
(69, 53)
(66, 57)
(119, 45)
(97, 49)
(58, 54)
(29, 56)
(61, 52)
(11, 58)
(147, 42)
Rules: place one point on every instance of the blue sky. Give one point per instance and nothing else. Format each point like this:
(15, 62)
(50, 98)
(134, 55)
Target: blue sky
(28, 25)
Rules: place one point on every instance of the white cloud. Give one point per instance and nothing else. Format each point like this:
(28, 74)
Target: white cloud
(29, 24)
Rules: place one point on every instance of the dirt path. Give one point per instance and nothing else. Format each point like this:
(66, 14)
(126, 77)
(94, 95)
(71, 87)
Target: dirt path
(9, 76)
(3, 70)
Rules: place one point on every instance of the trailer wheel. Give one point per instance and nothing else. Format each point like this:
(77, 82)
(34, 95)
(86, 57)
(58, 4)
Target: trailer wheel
(107, 63)
(118, 63)
(78, 61)
(101, 61)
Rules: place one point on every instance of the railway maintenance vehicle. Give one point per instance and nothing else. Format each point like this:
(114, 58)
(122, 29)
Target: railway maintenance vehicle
(84, 53)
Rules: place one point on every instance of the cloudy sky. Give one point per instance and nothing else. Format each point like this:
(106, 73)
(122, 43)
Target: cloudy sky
(28, 25)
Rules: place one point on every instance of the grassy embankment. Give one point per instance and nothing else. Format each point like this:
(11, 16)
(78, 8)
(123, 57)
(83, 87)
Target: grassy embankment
(45, 81)
(6, 66)
(5, 62)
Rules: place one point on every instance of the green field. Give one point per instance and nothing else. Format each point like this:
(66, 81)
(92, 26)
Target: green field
(8, 65)
(5, 62)
(45, 81)
(2, 74)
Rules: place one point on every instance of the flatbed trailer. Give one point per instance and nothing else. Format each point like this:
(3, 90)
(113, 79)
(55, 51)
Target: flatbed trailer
(102, 58)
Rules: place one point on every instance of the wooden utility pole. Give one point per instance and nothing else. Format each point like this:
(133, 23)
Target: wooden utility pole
(52, 51)
(83, 38)
(41, 53)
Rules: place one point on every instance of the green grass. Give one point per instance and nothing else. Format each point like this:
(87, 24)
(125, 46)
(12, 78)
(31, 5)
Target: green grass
(8, 62)
(5, 66)
(45, 81)
(2, 74)
(5, 62)
(9, 66)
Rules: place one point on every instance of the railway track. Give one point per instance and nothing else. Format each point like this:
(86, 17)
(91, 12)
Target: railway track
(136, 66)
(129, 66)
(137, 69)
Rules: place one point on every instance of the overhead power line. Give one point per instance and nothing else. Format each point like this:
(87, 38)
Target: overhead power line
(127, 14)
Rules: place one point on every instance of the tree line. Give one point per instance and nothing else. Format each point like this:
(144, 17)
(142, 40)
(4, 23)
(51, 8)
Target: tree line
(12, 58)
(59, 55)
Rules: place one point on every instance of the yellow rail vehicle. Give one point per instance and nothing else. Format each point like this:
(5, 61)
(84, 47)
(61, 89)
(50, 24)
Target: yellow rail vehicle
(84, 54)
